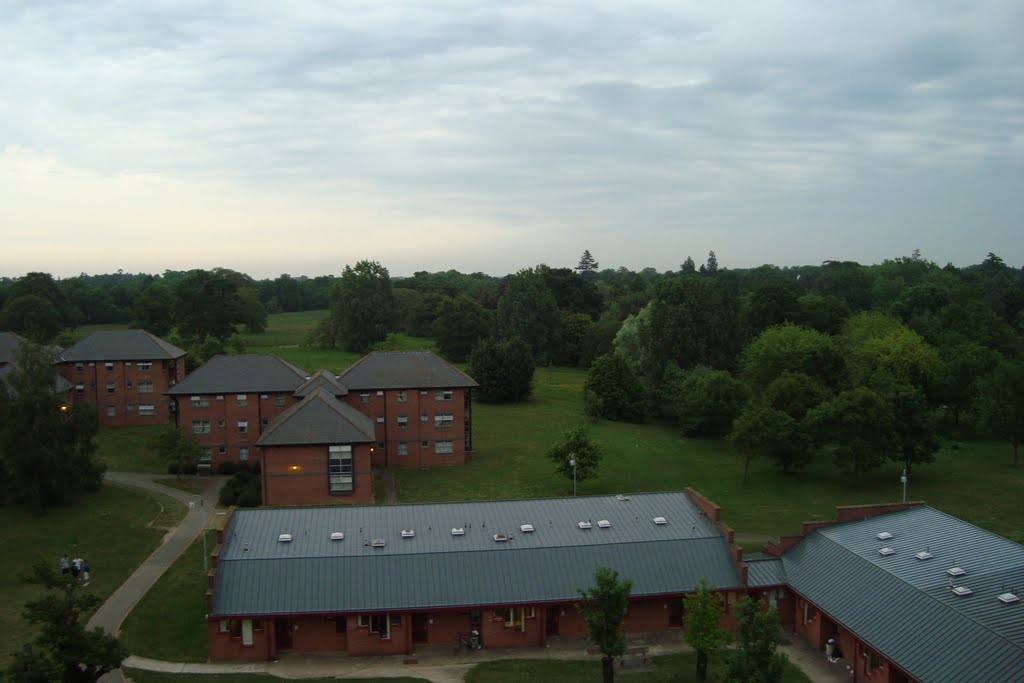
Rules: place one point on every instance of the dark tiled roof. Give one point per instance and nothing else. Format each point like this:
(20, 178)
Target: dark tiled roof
(404, 370)
(259, 575)
(60, 385)
(322, 379)
(904, 608)
(319, 419)
(121, 345)
(243, 374)
(9, 343)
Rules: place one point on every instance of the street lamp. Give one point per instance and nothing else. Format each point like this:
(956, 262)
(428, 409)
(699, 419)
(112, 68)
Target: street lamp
(572, 463)
(903, 480)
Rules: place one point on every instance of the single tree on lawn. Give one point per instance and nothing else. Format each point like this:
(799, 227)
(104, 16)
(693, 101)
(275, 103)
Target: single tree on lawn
(702, 630)
(177, 447)
(1000, 405)
(577, 447)
(612, 391)
(603, 607)
(504, 370)
(858, 425)
(756, 659)
(760, 430)
(64, 650)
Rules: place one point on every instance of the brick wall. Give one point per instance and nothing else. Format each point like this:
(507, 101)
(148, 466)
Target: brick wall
(648, 616)
(317, 634)
(361, 641)
(226, 438)
(115, 390)
(298, 475)
(525, 630)
(223, 646)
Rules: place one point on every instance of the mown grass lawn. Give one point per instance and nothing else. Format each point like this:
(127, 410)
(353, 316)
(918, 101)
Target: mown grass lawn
(127, 449)
(140, 676)
(114, 529)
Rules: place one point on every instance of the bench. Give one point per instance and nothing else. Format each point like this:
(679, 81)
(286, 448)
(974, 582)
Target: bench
(636, 656)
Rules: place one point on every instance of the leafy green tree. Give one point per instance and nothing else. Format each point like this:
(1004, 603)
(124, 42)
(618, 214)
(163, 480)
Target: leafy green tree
(527, 310)
(47, 450)
(711, 267)
(858, 425)
(914, 424)
(207, 303)
(587, 263)
(756, 659)
(1000, 405)
(707, 401)
(251, 312)
(774, 302)
(761, 430)
(64, 650)
(845, 280)
(504, 370)
(573, 293)
(603, 607)
(31, 316)
(574, 349)
(963, 366)
(577, 447)
(361, 306)
(826, 314)
(423, 313)
(611, 391)
(702, 630)
(631, 342)
(154, 309)
(460, 325)
(790, 348)
(688, 267)
(177, 447)
(900, 355)
(693, 321)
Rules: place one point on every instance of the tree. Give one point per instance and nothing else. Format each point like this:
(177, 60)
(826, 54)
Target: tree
(528, 310)
(756, 659)
(825, 314)
(64, 650)
(177, 447)
(711, 267)
(207, 304)
(31, 316)
(858, 424)
(773, 302)
(504, 370)
(251, 312)
(47, 450)
(914, 425)
(154, 309)
(460, 324)
(587, 263)
(688, 267)
(603, 607)
(576, 446)
(611, 391)
(361, 305)
(708, 401)
(702, 631)
(761, 430)
(794, 349)
(1000, 405)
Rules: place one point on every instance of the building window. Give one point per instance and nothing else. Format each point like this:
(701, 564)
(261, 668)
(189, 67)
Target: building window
(78, 367)
(144, 366)
(403, 421)
(444, 447)
(108, 366)
(515, 617)
(111, 411)
(380, 420)
(200, 426)
(339, 466)
(403, 448)
(424, 417)
(243, 426)
(205, 456)
(263, 397)
(381, 623)
(145, 387)
(279, 400)
(424, 444)
(872, 660)
(246, 631)
(444, 420)
(236, 628)
(402, 398)
(264, 421)
(242, 400)
(380, 444)
(423, 392)
(243, 454)
(443, 395)
(147, 409)
(364, 398)
(362, 621)
(80, 388)
(220, 423)
(221, 450)
(110, 388)
(128, 385)
(200, 401)
(340, 624)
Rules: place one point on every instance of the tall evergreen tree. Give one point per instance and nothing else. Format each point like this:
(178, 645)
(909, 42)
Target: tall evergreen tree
(587, 263)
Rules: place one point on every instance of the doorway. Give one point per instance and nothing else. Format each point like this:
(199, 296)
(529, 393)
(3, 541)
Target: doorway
(551, 621)
(420, 628)
(283, 633)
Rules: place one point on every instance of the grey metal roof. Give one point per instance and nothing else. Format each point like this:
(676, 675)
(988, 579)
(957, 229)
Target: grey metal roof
(257, 574)
(241, 374)
(764, 570)
(121, 345)
(404, 370)
(322, 379)
(320, 418)
(903, 607)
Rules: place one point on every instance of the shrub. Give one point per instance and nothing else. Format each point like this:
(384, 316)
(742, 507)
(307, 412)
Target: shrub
(243, 490)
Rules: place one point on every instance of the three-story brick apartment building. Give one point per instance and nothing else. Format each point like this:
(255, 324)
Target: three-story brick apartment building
(126, 373)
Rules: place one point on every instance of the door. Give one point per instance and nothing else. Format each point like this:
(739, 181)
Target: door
(675, 612)
(420, 628)
(551, 621)
(283, 633)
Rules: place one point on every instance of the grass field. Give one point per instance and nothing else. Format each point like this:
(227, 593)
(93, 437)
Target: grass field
(126, 449)
(140, 676)
(114, 529)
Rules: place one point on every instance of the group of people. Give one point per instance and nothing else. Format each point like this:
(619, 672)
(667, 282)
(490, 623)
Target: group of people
(78, 568)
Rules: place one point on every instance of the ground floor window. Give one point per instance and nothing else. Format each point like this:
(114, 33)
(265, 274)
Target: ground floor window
(243, 454)
(403, 448)
(146, 409)
(515, 617)
(339, 464)
(382, 623)
(444, 447)
(872, 660)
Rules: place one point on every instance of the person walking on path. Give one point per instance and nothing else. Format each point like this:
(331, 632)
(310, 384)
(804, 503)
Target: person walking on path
(76, 568)
(65, 565)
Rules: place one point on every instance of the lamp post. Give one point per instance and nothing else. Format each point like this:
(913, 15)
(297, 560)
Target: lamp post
(572, 463)
(903, 480)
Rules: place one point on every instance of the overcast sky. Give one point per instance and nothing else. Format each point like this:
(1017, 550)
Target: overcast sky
(297, 137)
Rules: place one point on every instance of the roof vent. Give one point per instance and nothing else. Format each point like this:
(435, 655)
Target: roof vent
(584, 525)
(884, 536)
(337, 535)
(377, 543)
(886, 551)
(962, 590)
(924, 555)
(284, 538)
(500, 538)
(604, 524)
(458, 531)
(660, 520)
(955, 571)
(1009, 598)
(620, 497)
(408, 533)
(526, 528)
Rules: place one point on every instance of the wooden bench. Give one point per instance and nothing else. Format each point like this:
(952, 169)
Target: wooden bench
(636, 656)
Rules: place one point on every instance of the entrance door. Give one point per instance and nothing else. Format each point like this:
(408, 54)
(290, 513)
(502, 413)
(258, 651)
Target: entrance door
(551, 621)
(420, 627)
(675, 612)
(283, 633)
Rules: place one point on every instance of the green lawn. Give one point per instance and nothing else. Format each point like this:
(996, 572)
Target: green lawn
(140, 676)
(114, 529)
(678, 668)
(126, 449)
(974, 482)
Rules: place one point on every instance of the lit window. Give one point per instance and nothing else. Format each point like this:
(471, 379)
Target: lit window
(339, 465)
(444, 447)
(444, 420)
(147, 409)
(145, 387)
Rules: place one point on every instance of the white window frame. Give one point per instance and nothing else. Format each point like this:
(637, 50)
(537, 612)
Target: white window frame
(201, 426)
(147, 409)
(145, 386)
(144, 366)
(340, 469)
(403, 421)
(401, 396)
(243, 454)
(243, 426)
(444, 395)
(242, 400)
(403, 448)
(246, 631)
(444, 447)
(199, 401)
(442, 420)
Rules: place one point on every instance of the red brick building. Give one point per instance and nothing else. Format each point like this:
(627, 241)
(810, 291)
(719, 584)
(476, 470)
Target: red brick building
(126, 374)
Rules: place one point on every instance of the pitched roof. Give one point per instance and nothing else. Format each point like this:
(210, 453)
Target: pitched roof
(764, 570)
(904, 607)
(318, 419)
(324, 379)
(242, 374)
(121, 345)
(60, 385)
(9, 343)
(257, 574)
(404, 370)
